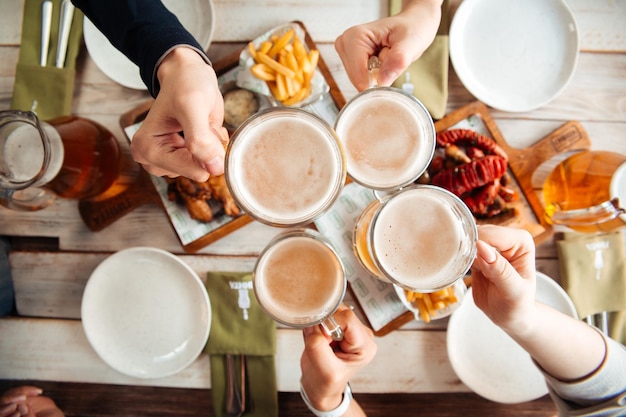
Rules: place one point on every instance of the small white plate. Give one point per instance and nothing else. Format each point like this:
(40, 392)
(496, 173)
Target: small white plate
(488, 360)
(514, 55)
(197, 16)
(146, 313)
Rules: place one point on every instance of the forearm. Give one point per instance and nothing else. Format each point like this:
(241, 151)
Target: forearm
(143, 30)
(566, 348)
(173, 62)
(413, 6)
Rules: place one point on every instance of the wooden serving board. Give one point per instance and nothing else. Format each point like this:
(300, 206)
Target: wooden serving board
(529, 210)
(100, 213)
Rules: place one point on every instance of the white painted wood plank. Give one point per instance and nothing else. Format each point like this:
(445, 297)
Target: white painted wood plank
(600, 22)
(325, 19)
(57, 350)
(51, 284)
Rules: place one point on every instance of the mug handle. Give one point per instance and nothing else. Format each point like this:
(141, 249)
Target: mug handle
(332, 328)
(601, 213)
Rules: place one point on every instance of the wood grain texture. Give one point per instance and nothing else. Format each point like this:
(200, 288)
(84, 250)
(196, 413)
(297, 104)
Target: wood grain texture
(58, 350)
(411, 374)
(100, 400)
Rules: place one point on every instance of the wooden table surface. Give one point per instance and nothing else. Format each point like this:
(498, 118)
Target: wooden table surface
(53, 252)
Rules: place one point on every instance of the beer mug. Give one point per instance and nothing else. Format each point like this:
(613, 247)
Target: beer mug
(587, 192)
(299, 281)
(421, 238)
(68, 157)
(388, 137)
(284, 167)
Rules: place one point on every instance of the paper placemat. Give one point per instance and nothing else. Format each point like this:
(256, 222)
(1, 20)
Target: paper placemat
(378, 299)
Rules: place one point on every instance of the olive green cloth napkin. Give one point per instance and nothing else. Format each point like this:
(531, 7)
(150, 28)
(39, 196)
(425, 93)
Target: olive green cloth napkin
(51, 88)
(429, 73)
(240, 326)
(593, 273)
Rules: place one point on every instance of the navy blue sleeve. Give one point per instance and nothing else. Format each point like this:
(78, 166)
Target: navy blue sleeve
(143, 30)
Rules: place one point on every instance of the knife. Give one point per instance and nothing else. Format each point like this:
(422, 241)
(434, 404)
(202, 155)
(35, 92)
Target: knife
(65, 24)
(46, 20)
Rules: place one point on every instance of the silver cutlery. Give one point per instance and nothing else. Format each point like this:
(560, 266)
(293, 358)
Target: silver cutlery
(46, 22)
(65, 24)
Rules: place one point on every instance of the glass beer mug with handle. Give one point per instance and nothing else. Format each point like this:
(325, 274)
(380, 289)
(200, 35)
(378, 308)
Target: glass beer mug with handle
(69, 157)
(587, 192)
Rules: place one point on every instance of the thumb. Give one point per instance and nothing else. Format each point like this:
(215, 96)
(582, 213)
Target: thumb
(492, 265)
(394, 63)
(206, 146)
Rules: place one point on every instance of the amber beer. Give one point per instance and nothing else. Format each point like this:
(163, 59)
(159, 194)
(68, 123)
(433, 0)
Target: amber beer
(299, 280)
(587, 191)
(70, 157)
(285, 167)
(422, 238)
(388, 137)
(91, 161)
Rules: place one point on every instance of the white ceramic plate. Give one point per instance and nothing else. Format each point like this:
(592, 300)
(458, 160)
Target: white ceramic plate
(488, 361)
(146, 313)
(197, 16)
(514, 55)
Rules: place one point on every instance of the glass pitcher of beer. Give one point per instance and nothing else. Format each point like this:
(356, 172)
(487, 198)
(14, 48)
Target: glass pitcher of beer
(587, 192)
(69, 157)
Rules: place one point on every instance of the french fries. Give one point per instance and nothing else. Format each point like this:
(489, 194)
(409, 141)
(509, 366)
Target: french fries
(286, 65)
(429, 304)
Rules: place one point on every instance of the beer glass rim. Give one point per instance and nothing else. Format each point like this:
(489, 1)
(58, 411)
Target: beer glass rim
(235, 142)
(14, 116)
(309, 234)
(461, 211)
(419, 110)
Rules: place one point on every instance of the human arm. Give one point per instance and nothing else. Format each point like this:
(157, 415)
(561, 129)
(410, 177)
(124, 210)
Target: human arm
(328, 366)
(143, 30)
(583, 368)
(178, 73)
(27, 401)
(189, 101)
(397, 40)
(503, 283)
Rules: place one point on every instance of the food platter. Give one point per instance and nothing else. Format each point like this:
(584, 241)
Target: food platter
(526, 211)
(197, 16)
(489, 361)
(146, 313)
(516, 55)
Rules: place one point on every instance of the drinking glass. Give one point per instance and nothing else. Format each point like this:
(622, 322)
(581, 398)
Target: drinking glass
(299, 281)
(388, 137)
(285, 167)
(422, 238)
(587, 192)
